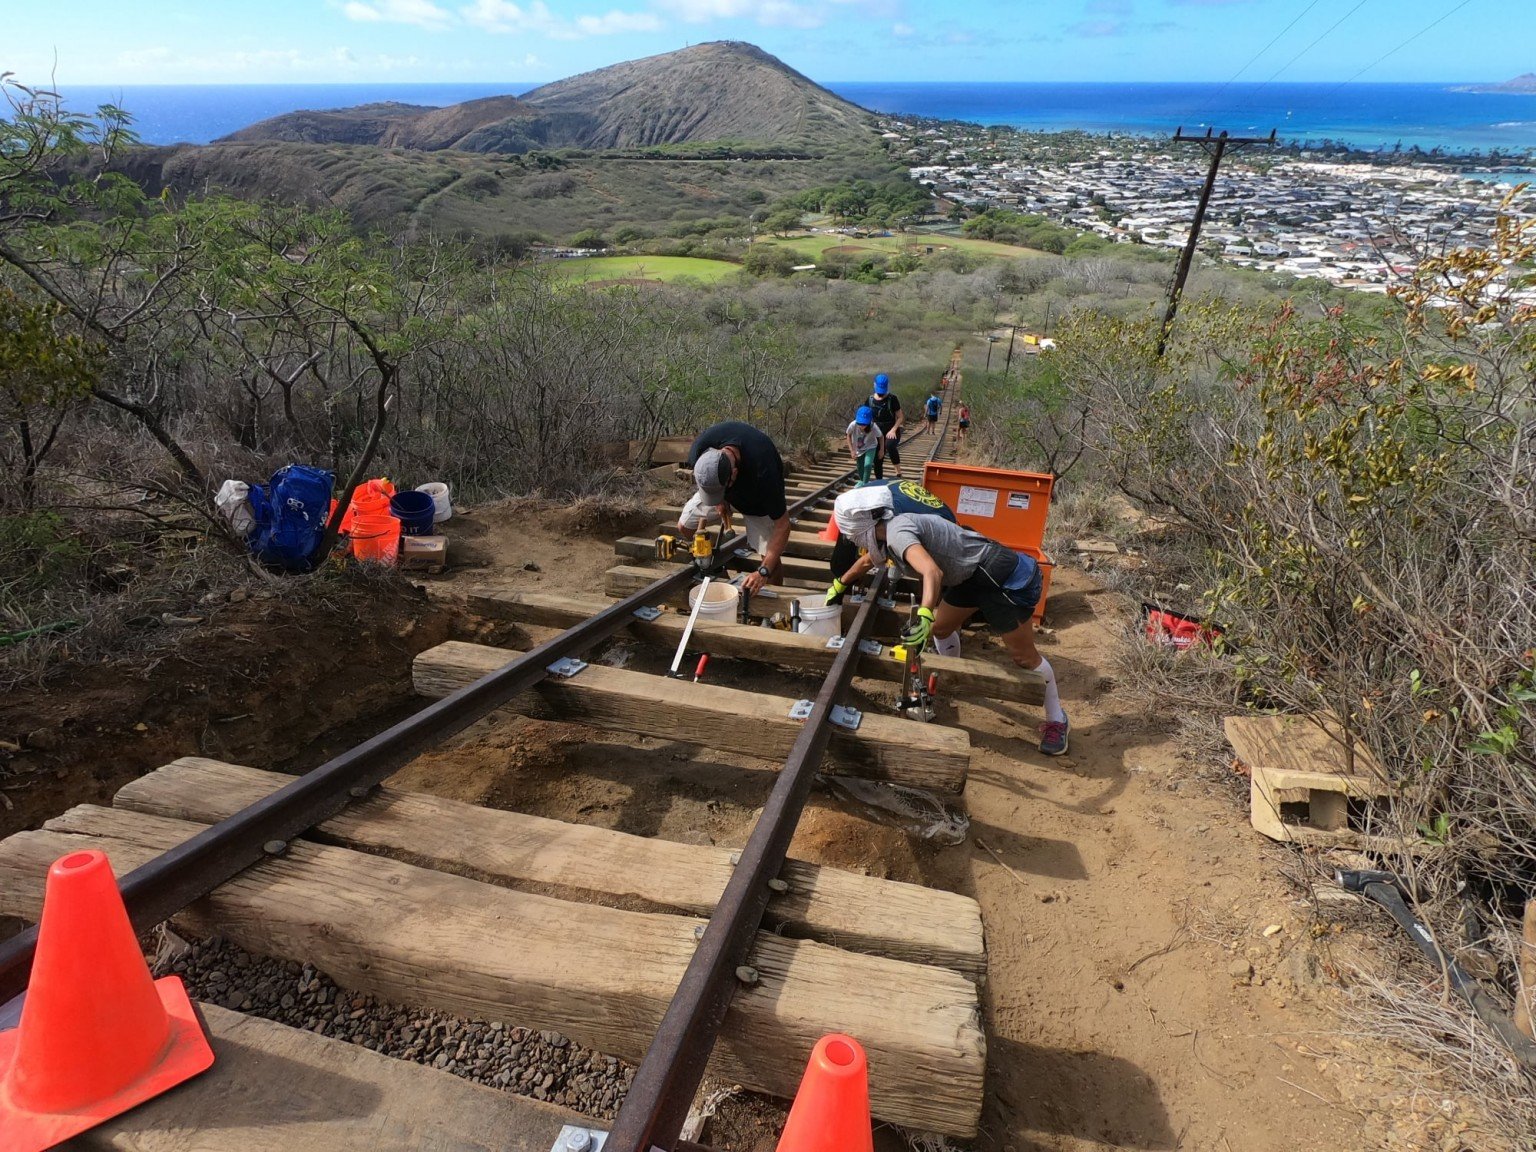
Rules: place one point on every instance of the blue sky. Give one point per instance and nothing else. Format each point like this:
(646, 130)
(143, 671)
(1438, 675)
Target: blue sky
(317, 41)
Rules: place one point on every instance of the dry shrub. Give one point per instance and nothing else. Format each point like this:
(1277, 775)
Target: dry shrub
(1460, 1056)
(1357, 499)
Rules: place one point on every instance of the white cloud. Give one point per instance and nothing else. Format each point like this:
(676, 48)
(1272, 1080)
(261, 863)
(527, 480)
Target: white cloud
(157, 57)
(700, 11)
(161, 63)
(504, 16)
(769, 13)
(535, 18)
(1097, 29)
(903, 30)
(774, 13)
(422, 13)
(616, 23)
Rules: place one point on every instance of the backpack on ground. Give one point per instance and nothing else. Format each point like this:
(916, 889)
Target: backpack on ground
(290, 515)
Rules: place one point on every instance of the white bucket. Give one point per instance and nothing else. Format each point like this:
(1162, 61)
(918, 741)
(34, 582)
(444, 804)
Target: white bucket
(721, 601)
(821, 619)
(442, 507)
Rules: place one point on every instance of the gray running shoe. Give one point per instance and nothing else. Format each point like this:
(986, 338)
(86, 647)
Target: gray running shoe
(1053, 736)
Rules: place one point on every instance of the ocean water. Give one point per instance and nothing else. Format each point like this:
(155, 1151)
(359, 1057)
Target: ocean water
(1428, 116)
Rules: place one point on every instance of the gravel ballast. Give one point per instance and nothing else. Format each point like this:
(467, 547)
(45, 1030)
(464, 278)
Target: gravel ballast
(540, 1064)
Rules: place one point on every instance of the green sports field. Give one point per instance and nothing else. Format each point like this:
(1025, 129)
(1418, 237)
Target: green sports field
(814, 246)
(587, 269)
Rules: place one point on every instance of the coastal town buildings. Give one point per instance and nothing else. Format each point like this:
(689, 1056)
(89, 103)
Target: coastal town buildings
(1358, 225)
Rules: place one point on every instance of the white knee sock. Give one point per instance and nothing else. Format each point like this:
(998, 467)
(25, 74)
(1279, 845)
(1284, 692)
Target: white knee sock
(947, 645)
(1053, 709)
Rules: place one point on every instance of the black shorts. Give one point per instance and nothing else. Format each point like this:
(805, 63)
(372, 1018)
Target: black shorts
(1003, 609)
(965, 423)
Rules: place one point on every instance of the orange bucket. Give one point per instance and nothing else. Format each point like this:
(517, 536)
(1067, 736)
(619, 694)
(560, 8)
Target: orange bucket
(376, 539)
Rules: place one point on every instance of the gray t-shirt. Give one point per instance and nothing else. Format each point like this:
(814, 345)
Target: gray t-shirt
(957, 551)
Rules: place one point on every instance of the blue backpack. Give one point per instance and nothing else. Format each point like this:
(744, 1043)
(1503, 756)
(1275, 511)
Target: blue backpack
(290, 516)
(933, 406)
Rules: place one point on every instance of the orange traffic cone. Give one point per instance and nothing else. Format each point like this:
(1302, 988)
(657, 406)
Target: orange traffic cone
(830, 531)
(831, 1109)
(97, 1035)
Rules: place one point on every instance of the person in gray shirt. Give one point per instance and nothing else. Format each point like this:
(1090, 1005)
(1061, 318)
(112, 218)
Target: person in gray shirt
(964, 572)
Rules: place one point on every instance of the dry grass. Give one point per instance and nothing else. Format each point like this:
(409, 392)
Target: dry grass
(1460, 1059)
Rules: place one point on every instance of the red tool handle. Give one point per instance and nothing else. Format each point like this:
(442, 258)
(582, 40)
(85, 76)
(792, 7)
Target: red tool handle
(699, 671)
(933, 683)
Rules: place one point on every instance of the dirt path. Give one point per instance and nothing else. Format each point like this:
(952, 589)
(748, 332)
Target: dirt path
(1121, 904)
(1124, 897)
(1134, 998)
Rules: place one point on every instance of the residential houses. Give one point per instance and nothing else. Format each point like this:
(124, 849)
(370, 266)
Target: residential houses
(1357, 225)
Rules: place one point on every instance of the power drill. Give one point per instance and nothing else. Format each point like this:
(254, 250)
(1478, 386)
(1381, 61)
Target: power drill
(702, 549)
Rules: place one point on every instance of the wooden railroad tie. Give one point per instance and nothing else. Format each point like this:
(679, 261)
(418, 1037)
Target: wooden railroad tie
(273, 1086)
(594, 865)
(748, 723)
(958, 676)
(599, 975)
(626, 579)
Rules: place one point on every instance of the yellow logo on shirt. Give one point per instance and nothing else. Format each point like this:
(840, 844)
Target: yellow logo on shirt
(912, 490)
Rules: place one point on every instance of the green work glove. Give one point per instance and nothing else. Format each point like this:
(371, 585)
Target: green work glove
(919, 633)
(835, 591)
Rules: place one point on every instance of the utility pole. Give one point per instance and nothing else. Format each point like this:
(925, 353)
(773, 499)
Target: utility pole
(1008, 363)
(1217, 147)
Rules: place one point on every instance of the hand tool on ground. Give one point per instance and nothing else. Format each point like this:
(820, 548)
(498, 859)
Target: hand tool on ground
(693, 618)
(698, 672)
(666, 547)
(1386, 889)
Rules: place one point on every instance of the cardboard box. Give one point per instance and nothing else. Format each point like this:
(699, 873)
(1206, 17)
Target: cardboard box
(424, 553)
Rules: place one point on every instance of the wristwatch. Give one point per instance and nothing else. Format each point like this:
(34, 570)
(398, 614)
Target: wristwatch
(762, 570)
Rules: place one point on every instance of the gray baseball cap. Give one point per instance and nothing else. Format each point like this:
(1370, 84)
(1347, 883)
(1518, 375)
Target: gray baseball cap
(713, 473)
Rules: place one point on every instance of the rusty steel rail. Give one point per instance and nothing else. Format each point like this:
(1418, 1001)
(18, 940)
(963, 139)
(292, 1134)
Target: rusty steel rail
(659, 1097)
(657, 1103)
(162, 887)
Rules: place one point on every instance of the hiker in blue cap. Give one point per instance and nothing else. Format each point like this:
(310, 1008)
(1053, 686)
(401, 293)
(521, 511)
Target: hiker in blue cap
(865, 443)
(886, 409)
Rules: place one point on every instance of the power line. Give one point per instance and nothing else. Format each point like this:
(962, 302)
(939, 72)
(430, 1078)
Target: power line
(1319, 40)
(1422, 31)
(1216, 95)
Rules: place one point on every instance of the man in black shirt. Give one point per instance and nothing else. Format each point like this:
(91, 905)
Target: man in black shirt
(736, 467)
(888, 417)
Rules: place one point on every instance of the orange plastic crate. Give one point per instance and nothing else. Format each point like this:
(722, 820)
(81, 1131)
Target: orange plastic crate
(1010, 507)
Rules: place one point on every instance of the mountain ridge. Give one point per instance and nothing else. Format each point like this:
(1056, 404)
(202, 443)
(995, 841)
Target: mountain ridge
(1522, 85)
(717, 91)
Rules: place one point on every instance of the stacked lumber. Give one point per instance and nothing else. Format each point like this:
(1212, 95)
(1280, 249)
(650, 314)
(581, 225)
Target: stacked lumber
(1303, 779)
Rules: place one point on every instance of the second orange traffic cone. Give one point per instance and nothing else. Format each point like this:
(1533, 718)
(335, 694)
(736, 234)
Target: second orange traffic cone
(831, 1108)
(829, 532)
(98, 1034)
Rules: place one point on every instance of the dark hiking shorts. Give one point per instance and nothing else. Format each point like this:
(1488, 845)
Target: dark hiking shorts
(1004, 609)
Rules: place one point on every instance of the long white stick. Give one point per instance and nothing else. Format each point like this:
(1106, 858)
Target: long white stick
(688, 631)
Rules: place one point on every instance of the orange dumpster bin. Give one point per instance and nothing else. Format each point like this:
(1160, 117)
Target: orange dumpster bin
(1010, 507)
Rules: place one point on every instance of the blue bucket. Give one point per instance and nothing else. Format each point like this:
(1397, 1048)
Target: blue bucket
(414, 511)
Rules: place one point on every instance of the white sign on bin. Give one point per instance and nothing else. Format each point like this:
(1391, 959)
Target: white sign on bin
(977, 501)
